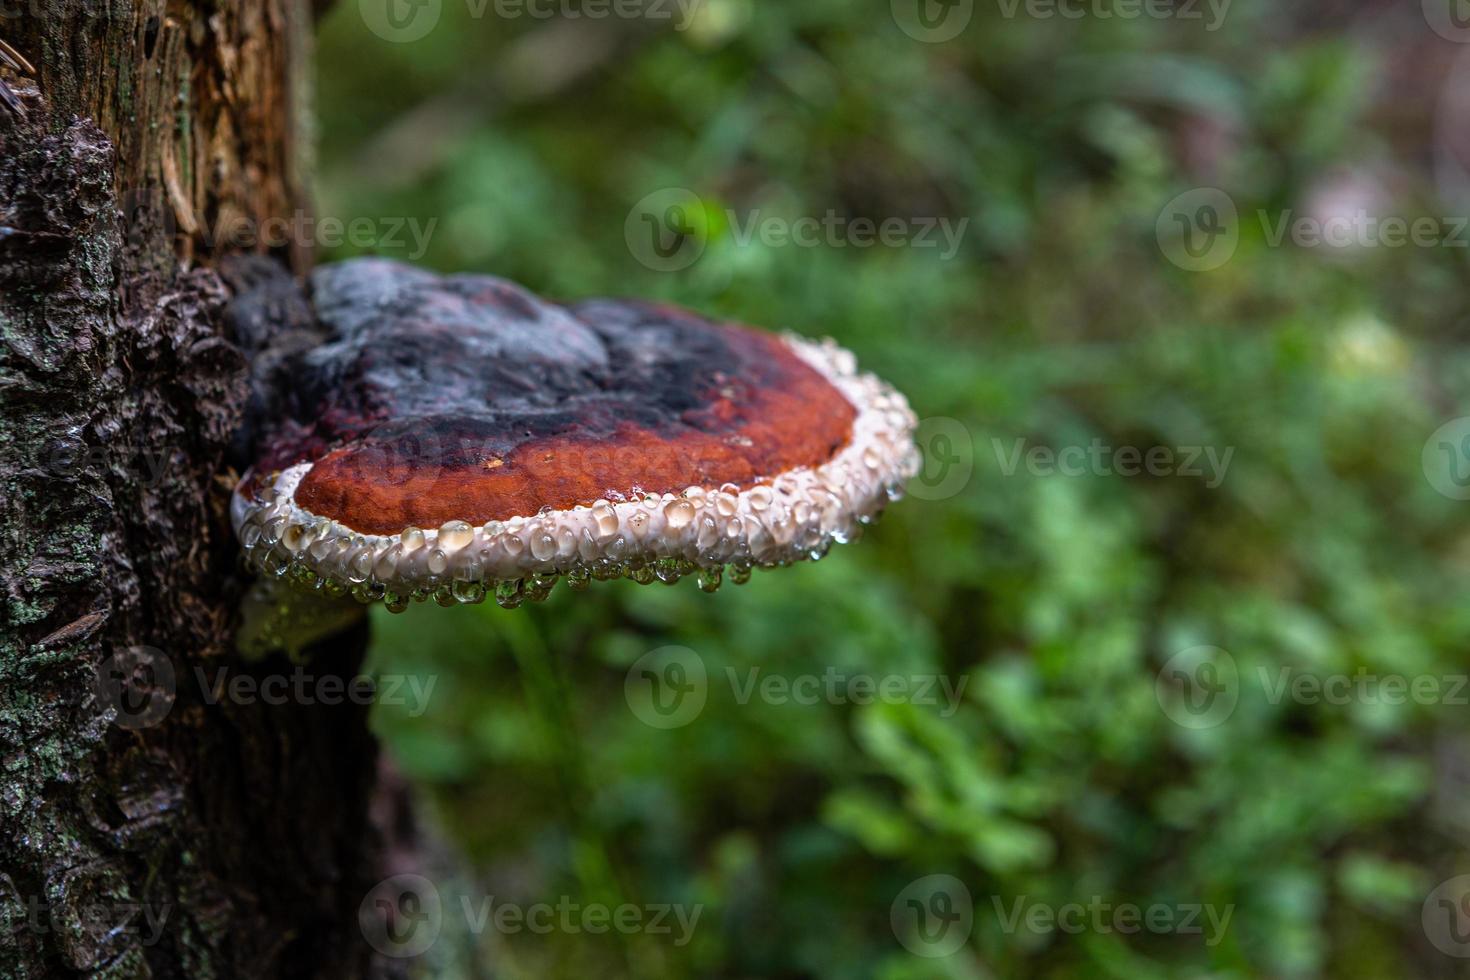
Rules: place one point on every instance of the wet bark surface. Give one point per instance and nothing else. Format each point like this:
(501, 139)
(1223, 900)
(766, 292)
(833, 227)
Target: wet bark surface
(152, 822)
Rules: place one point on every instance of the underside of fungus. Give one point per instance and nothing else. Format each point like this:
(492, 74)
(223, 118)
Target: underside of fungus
(457, 437)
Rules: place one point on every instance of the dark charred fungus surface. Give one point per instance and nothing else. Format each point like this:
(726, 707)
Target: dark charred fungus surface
(452, 434)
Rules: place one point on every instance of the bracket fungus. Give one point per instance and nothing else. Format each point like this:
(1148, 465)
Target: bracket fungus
(456, 437)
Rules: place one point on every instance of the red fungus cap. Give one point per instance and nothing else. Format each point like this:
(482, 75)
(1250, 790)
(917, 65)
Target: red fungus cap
(454, 433)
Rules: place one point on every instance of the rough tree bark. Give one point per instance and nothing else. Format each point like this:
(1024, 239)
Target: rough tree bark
(210, 839)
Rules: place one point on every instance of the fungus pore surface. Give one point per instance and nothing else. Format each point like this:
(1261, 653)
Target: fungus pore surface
(453, 435)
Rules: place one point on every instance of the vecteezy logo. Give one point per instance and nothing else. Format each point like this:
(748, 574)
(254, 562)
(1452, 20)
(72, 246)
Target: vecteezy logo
(933, 916)
(667, 687)
(1450, 19)
(1198, 687)
(402, 915)
(1446, 917)
(667, 230)
(400, 21)
(932, 21)
(1446, 459)
(1199, 230)
(138, 685)
(949, 458)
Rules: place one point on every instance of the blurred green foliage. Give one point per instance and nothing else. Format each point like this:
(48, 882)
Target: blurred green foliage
(1058, 599)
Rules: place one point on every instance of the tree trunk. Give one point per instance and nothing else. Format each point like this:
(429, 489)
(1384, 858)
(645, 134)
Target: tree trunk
(147, 827)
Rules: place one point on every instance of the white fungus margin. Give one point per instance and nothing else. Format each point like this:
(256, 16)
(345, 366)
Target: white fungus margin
(791, 516)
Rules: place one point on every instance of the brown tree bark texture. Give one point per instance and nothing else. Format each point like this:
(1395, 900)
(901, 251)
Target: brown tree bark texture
(227, 839)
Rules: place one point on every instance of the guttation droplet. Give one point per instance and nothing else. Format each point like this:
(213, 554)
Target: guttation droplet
(678, 514)
(605, 519)
(454, 535)
(543, 545)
